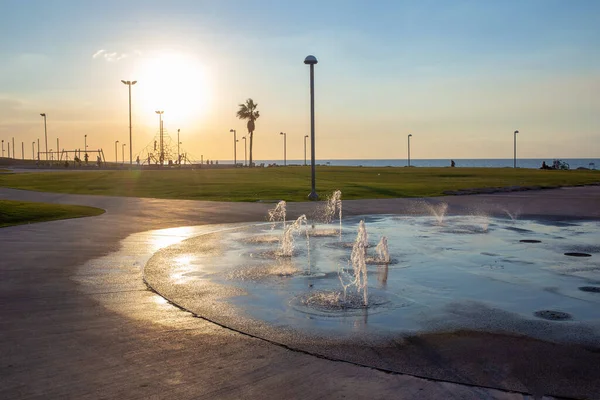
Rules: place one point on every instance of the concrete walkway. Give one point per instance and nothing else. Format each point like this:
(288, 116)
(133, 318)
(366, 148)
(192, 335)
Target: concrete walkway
(77, 321)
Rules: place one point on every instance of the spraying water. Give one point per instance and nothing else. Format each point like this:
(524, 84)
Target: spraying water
(358, 278)
(286, 248)
(383, 253)
(334, 203)
(278, 214)
(438, 211)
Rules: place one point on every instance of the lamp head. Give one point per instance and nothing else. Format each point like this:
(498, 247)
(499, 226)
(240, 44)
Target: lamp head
(159, 112)
(281, 133)
(125, 82)
(43, 114)
(310, 60)
(410, 134)
(133, 82)
(516, 131)
(305, 136)
(232, 130)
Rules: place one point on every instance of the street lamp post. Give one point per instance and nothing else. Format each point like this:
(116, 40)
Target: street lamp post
(312, 60)
(45, 135)
(234, 147)
(244, 137)
(130, 83)
(116, 158)
(305, 137)
(160, 114)
(178, 143)
(33, 150)
(409, 136)
(515, 150)
(123, 153)
(284, 148)
(22, 150)
(38, 147)
(85, 143)
(2, 148)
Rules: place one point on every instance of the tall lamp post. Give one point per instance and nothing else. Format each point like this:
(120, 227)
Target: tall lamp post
(244, 137)
(85, 144)
(160, 114)
(123, 153)
(45, 135)
(2, 148)
(409, 136)
(515, 150)
(130, 83)
(178, 143)
(305, 137)
(284, 148)
(312, 60)
(116, 158)
(33, 150)
(234, 147)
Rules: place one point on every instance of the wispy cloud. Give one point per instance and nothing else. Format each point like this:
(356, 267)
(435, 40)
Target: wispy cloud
(110, 56)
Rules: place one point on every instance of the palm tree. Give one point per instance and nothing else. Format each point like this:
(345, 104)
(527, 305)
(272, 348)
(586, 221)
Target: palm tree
(248, 111)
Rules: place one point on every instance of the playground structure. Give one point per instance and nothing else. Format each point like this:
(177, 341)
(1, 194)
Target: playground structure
(163, 150)
(62, 156)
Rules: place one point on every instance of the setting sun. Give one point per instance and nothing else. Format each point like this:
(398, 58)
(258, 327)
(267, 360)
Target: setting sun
(174, 83)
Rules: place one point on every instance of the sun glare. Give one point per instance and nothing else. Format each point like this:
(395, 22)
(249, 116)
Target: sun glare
(175, 84)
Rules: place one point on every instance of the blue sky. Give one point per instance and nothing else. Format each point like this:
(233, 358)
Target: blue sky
(460, 76)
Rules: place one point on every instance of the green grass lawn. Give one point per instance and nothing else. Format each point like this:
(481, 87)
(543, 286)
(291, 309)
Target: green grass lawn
(26, 212)
(290, 183)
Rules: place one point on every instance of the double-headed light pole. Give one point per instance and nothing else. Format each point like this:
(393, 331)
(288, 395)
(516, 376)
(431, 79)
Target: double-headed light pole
(130, 83)
(284, 148)
(312, 60)
(234, 147)
(515, 150)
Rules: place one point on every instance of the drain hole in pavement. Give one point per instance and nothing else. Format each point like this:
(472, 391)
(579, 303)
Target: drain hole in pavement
(592, 289)
(553, 315)
(530, 241)
(575, 254)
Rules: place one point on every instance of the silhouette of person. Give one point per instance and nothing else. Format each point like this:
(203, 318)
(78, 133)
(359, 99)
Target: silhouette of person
(137, 160)
(452, 163)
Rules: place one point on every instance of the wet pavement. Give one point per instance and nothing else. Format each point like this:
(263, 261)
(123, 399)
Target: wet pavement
(78, 321)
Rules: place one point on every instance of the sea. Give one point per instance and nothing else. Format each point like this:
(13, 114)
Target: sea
(533, 163)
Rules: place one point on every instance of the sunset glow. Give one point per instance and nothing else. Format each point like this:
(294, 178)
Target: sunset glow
(176, 83)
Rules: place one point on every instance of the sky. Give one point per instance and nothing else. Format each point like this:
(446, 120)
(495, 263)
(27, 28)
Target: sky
(460, 76)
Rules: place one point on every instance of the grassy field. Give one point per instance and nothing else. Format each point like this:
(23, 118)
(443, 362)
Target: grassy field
(291, 183)
(25, 212)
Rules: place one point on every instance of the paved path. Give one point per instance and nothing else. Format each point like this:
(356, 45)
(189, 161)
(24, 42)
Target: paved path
(68, 331)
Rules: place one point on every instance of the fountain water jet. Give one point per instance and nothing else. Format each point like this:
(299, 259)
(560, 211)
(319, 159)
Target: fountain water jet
(333, 203)
(278, 214)
(438, 211)
(382, 250)
(286, 248)
(358, 278)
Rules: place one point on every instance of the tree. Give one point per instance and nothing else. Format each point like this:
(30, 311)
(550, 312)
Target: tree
(248, 111)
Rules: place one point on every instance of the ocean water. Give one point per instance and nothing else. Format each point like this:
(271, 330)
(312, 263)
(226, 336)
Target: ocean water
(574, 163)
